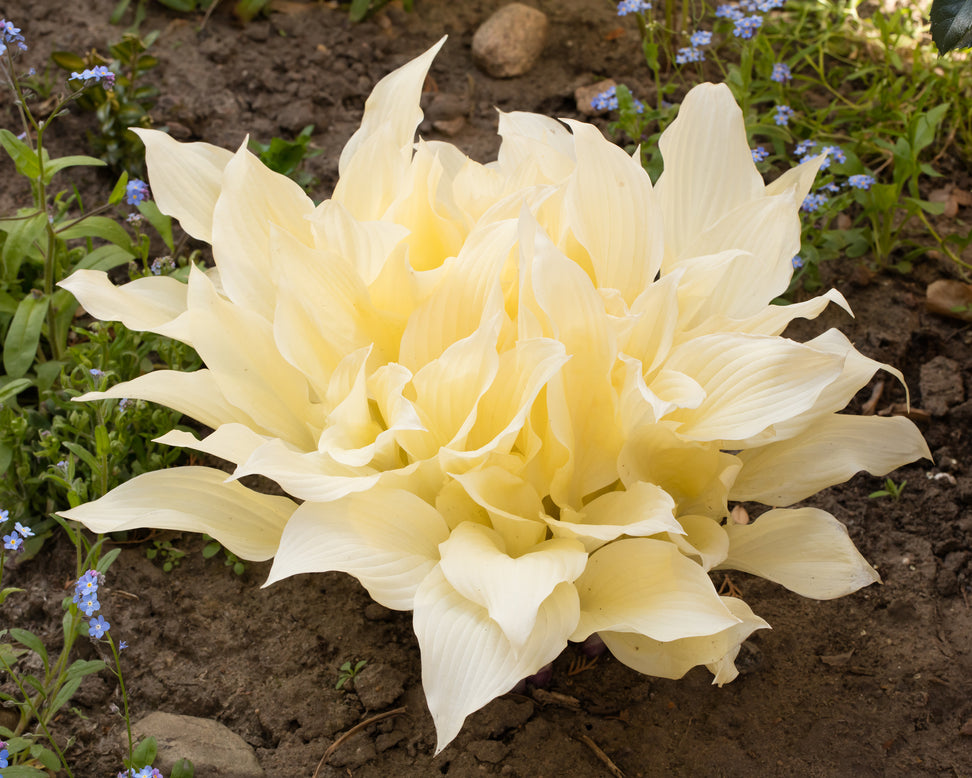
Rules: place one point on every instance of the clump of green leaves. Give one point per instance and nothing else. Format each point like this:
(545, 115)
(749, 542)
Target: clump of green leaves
(286, 156)
(348, 670)
(231, 560)
(891, 489)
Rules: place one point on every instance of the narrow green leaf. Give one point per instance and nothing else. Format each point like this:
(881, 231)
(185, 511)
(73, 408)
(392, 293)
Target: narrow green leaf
(63, 696)
(105, 562)
(23, 771)
(105, 258)
(9, 390)
(161, 222)
(359, 10)
(76, 160)
(119, 191)
(22, 235)
(83, 454)
(20, 345)
(5, 593)
(47, 373)
(67, 60)
(183, 769)
(83, 667)
(32, 642)
(97, 227)
(24, 157)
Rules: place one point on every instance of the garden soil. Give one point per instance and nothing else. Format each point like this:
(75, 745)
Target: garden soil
(875, 684)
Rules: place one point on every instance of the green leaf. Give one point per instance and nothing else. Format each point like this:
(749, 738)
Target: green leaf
(12, 389)
(359, 10)
(23, 771)
(63, 696)
(183, 6)
(30, 640)
(161, 222)
(105, 562)
(20, 345)
(5, 593)
(951, 24)
(83, 454)
(83, 667)
(105, 258)
(67, 60)
(22, 235)
(145, 753)
(183, 769)
(97, 227)
(119, 191)
(77, 160)
(24, 157)
(47, 373)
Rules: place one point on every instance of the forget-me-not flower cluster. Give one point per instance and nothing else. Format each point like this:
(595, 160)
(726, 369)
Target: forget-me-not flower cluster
(782, 115)
(759, 154)
(136, 191)
(86, 598)
(860, 181)
(99, 74)
(15, 540)
(608, 101)
(781, 73)
(10, 35)
(626, 7)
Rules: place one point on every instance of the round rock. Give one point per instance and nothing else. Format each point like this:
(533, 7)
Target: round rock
(510, 41)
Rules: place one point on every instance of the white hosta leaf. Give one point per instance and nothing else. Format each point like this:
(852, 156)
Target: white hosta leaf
(708, 135)
(674, 658)
(646, 586)
(196, 394)
(532, 140)
(773, 319)
(386, 538)
(475, 562)
(467, 660)
(611, 209)
(644, 509)
(192, 499)
(703, 539)
(238, 347)
(804, 549)
(696, 475)
(233, 442)
(150, 304)
(307, 475)
(185, 178)
(512, 503)
(751, 382)
(829, 452)
(253, 200)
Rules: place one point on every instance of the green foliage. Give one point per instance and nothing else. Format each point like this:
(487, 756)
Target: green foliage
(213, 547)
(170, 556)
(870, 85)
(891, 489)
(348, 671)
(361, 9)
(126, 104)
(286, 156)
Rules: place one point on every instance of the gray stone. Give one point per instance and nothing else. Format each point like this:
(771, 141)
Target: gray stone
(378, 686)
(941, 386)
(214, 750)
(510, 41)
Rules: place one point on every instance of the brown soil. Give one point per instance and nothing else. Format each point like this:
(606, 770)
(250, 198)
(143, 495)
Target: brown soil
(875, 684)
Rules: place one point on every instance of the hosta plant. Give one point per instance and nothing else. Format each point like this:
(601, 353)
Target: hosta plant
(514, 398)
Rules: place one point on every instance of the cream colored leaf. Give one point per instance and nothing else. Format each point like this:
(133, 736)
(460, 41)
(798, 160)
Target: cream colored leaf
(186, 179)
(192, 499)
(804, 549)
(829, 452)
(475, 562)
(468, 661)
(646, 586)
(674, 658)
(386, 538)
(233, 442)
(150, 304)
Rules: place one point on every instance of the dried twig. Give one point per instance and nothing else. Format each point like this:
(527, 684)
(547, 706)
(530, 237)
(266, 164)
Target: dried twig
(354, 730)
(605, 759)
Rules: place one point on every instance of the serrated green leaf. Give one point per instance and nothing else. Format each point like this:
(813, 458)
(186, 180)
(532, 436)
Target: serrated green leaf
(951, 24)
(23, 337)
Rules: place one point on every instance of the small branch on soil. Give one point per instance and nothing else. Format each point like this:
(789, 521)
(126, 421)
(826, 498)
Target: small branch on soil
(870, 406)
(355, 729)
(605, 759)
